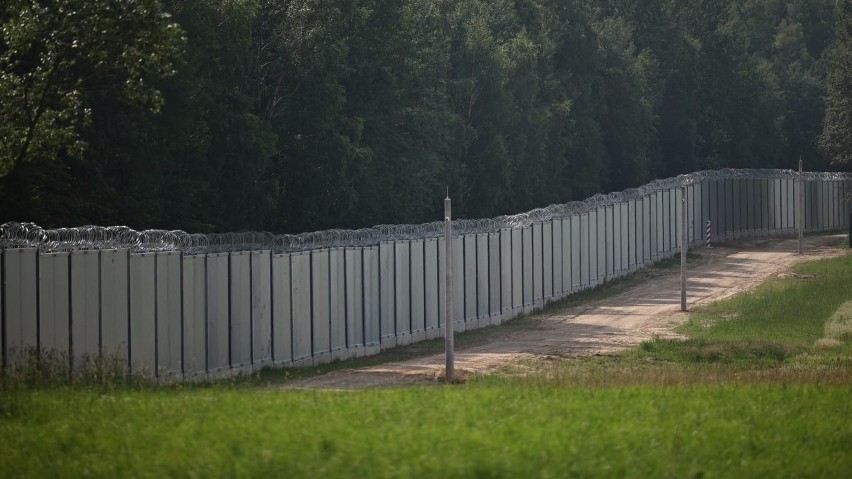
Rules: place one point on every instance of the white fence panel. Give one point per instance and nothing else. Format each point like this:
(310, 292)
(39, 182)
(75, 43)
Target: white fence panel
(85, 304)
(282, 310)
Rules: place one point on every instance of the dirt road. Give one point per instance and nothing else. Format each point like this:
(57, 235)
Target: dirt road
(650, 308)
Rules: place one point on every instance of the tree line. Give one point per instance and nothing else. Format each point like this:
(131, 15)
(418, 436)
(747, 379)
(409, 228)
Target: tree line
(300, 115)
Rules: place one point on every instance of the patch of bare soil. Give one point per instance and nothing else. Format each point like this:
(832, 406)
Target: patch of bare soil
(642, 312)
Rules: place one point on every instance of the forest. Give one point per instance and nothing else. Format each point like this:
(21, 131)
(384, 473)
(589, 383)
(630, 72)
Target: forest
(301, 115)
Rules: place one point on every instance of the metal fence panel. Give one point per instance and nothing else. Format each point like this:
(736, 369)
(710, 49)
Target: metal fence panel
(609, 241)
(169, 340)
(371, 297)
(631, 229)
(194, 311)
(218, 301)
(300, 285)
(85, 303)
(647, 240)
(21, 302)
(432, 285)
(482, 280)
(678, 226)
(527, 252)
(459, 284)
(386, 294)
(442, 283)
(601, 243)
(567, 259)
(653, 227)
(354, 300)
(768, 210)
(320, 317)
(505, 272)
(494, 278)
(578, 259)
(143, 313)
(337, 302)
(418, 289)
(517, 269)
(261, 308)
(558, 269)
(536, 241)
(240, 309)
(54, 307)
(282, 326)
(402, 291)
(585, 254)
(673, 208)
(470, 280)
(624, 237)
(114, 303)
(547, 259)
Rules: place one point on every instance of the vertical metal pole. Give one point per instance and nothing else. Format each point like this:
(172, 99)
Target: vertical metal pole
(448, 294)
(683, 247)
(801, 204)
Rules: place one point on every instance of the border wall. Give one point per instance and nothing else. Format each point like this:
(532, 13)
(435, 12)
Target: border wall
(180, 306)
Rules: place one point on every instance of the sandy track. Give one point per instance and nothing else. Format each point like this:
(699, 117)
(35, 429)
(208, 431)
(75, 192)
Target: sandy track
(651, 308)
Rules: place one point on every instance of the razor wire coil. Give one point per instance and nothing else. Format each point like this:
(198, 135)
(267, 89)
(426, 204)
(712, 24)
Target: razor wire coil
(90, 237)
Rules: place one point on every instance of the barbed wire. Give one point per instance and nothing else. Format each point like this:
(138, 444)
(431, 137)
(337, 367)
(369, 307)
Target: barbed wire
(31, 235)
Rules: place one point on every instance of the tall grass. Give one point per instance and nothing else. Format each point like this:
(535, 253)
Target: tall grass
(488, 429)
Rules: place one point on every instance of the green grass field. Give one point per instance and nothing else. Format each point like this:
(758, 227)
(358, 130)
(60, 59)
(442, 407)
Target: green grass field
(747, 395)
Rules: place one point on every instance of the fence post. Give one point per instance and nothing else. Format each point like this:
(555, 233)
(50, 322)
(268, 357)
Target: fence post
(448, 294)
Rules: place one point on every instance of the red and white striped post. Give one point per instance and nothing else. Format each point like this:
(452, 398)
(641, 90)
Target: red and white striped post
(709, 233)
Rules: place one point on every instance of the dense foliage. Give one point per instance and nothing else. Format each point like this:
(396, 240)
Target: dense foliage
(295, 115)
